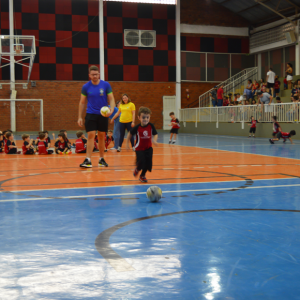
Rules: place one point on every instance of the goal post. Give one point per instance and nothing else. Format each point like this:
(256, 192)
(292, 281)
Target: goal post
(29, 108)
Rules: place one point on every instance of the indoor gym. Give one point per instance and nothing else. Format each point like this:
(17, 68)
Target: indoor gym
(228, 222)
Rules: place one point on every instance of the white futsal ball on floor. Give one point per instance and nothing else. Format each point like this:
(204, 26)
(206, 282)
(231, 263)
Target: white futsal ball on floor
(104, 111)
(154, 193)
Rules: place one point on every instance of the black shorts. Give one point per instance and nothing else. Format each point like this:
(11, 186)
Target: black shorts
(174, 130)
(144, 159)
(30, 151)
(252, 129)
(279, 135)
(277, 91)
(274, 134)
(270, 85)
(95, 122)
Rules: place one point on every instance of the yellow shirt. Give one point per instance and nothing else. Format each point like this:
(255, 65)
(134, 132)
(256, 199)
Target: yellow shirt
(126, 112)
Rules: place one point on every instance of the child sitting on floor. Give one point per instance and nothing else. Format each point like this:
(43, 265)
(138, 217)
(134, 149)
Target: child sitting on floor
(80, 143)
(61, 145)
(27, 145)
(43, 145)
(10, 147)
(108, 139)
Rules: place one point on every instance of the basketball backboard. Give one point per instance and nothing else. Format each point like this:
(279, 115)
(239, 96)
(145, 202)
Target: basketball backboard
(19, 47)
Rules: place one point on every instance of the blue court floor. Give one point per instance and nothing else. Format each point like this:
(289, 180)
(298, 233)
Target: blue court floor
(235, 239)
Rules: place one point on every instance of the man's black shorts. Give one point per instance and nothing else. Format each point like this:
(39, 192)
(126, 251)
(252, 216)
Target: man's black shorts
(174, 130)
(252, 129)
(274, 134)
(270, 85)
(279, 135)
(95, 122)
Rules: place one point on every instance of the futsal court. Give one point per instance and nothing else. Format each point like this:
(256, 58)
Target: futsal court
(226, 227)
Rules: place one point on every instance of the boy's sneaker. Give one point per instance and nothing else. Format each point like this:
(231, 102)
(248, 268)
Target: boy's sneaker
(170, 142)
(143, 179)
(119, 149)
(105, 150)
(113, 148)
(86, 164)
(173, 142)
(284, 140)
(271, 141)
(102, 163)
(136, 172)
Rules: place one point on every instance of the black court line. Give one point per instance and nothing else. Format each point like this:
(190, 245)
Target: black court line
(120, 264)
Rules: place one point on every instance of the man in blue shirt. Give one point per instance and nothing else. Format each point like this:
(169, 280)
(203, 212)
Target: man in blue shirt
(116, 133)
(95, 94)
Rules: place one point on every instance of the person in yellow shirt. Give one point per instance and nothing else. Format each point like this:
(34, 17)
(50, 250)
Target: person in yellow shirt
(127, 111)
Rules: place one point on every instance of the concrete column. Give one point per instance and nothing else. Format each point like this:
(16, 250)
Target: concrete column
(259, 76)
(297, 51)
(12, 68)
(178, 59)
(101, 40)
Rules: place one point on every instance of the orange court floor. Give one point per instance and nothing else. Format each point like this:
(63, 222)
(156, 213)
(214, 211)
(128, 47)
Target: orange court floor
(171, 164)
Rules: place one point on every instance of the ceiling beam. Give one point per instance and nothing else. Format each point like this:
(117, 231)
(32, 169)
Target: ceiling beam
(274, 11)
(255, 5)
(278, 5)
(292, 3)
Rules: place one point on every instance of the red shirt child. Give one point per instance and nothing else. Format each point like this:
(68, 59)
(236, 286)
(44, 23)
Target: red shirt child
(143, 148)
(80, 143)
(108, 139)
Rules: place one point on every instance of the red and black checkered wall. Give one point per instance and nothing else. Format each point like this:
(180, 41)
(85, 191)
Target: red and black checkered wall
(67, 33)
(133, 63)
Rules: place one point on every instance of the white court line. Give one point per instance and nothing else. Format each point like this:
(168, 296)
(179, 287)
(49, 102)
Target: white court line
(132, 155)
(142, 193)
(149, 184)
(35, 174)
(242, 166)
(198, 167)
(255, 165)
(227, 166)
(66, 172)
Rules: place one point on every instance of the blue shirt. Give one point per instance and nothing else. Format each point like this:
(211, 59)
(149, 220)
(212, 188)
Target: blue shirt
(96, 96)
(114, 112)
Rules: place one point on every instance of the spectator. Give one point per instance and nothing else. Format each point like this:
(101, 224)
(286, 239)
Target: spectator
(289, 75)
(266, 100)
(226, 101)
(255, 88)
(213, 95)
(248, 89)
(220, 94)
(285, 83)
(278, 100)
(262, 84)
(277, 86)
(253, 102)
(293, 112)
(294, 91)
(270, 81)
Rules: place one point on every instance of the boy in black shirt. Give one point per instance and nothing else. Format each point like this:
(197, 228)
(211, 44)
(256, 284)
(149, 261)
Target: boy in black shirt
(27, 145)
(11, 145)
(145, 132)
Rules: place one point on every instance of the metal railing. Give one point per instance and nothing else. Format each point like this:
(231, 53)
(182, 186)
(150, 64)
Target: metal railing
(230, 86)
(285, 112)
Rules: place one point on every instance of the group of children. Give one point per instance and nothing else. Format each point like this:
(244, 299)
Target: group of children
(38, 146)
(277, 131)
